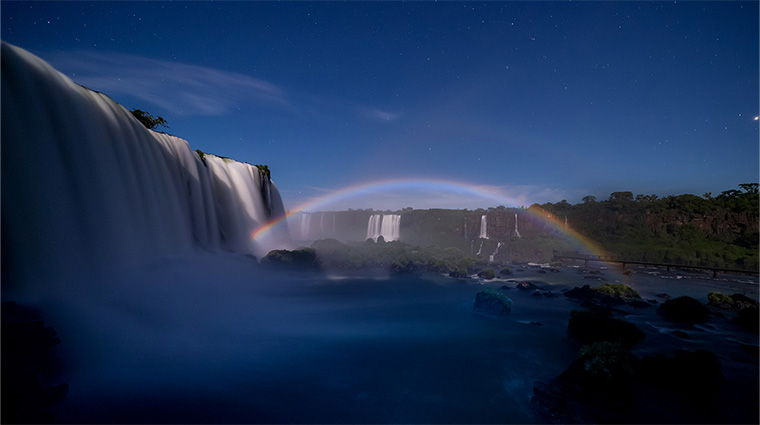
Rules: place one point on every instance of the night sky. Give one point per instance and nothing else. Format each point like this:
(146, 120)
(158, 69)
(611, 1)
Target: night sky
(538, 101)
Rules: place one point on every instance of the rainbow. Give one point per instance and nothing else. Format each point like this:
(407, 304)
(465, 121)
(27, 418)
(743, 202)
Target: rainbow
(443, 188)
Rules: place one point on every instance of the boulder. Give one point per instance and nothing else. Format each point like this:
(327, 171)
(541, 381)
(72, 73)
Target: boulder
(684, 309)
(527, 286)
(492, 302)
(299, 259)
(589, 326)
(487, 274)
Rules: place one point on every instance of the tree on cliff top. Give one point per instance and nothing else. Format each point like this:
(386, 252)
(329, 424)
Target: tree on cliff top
(149, 121)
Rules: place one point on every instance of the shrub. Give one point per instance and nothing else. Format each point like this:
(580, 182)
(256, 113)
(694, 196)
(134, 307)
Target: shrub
(487, 274)
(720, 300)
(619, 291)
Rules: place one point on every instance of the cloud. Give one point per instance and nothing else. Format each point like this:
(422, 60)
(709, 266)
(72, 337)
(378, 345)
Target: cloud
(176, 87)
(378, 114)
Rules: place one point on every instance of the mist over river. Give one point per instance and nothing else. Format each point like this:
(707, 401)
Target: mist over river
(219, 339)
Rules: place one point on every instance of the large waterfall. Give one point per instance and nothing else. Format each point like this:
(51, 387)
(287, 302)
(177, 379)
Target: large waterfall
(84, 183)
(483, 227)
(385, 225)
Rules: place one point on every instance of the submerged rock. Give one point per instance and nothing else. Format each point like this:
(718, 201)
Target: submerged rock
(490, 301)
(525, 285)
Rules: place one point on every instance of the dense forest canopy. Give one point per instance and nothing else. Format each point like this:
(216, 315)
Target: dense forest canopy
(718, 231)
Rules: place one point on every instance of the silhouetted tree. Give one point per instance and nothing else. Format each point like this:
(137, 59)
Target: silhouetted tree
(149, 121)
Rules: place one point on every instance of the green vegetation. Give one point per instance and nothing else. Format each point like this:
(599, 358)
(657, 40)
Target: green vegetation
(395, 256)
(707, 231)
(303, 258)
(201, 155)
(149, 121)
(487, 274)
(608, 360)
(618, 291)
(491, 301)
(264, 169)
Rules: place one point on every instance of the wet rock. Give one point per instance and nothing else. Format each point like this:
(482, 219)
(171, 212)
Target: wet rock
(489, 301)
(487, 274)
(526, 286)
(684, 309)
(589, 326)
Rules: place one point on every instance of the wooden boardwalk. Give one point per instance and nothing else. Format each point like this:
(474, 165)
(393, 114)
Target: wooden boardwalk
(606, 259)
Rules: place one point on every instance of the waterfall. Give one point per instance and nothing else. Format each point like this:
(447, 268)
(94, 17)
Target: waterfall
(465, 228)
(386, 226)
(84, 184)
(322, 223)
(498, 246)
(483, 227)
(304, 223)
(517, 233)
(480, 249)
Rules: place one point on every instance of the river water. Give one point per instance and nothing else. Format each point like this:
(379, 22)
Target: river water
(218, 339)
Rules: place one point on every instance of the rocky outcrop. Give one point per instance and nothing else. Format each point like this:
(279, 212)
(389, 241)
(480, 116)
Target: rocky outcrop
(684, 309)
(492, 302)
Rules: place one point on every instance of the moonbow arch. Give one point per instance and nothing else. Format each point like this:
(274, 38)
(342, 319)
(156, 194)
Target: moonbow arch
(442, 194)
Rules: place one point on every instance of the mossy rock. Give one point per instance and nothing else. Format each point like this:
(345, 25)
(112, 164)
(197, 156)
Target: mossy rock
(300, 259)
(617, 292)
(487, 274)
(493, 302)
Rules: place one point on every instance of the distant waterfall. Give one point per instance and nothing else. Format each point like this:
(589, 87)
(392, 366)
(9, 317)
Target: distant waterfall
(517, 232)
(498, 247)
(480, 249)
(483, 227)
(304, 223)
(386, 226)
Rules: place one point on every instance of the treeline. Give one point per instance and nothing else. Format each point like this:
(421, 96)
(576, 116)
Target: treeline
(720, 231)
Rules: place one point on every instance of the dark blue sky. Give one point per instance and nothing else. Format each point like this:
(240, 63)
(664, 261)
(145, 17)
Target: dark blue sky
(538, 101)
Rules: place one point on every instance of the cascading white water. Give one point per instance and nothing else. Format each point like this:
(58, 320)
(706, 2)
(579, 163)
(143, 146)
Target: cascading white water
(304, 222)
(517, 233)
(483, 227)
(85, 184)
(480, 249)
(387, 226)
(498, 247)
